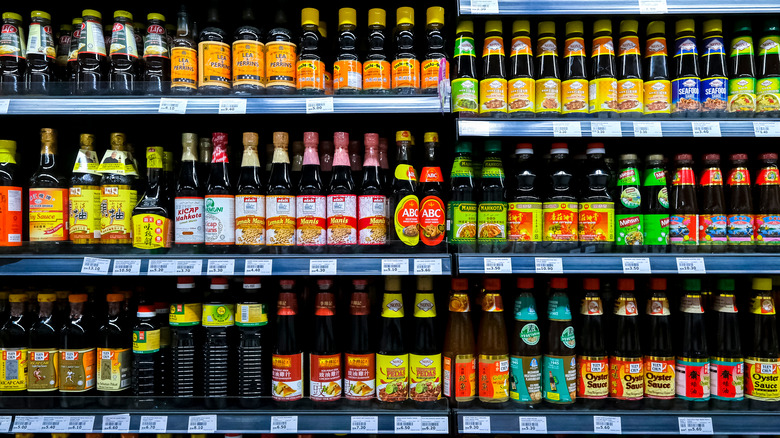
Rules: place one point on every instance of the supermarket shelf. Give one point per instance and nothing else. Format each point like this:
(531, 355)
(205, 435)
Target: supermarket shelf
(601, 128)
(618, 264)
(590, 7)
(225, 264)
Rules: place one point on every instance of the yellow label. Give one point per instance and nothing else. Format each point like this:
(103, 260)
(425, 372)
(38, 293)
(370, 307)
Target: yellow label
(424, 306)
(392, 377)
(425, 377)
(146, 341)
(154, 158)
(657, 97)
(214, 64)
(762, 305)
(184, 67)
(630, 96)
(185, 314)
(406, 221)
(116, 208)
(392, 305)
(13, 369)
(218, 315)
(251, 315)
(84, 216)
(77, 370)
(48, 215)
(574, 96)
(762, 379)
(602, 94)
(151, 231)
(548, 95)
(492, 95)
(113, 369)
(42, 371)
(522, 93)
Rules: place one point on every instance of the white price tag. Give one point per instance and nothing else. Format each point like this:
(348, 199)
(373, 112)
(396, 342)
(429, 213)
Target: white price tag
(172, 106)
(695, 426)
(476, 424)
(189, 267)
(395, 266)
(648, 129)
(116, 423)
(153, 424)
(548, 265)
(202, 424)
(23, 423)
(232, 106)
(322, 266)
(487, 7)
(607, 425)
(434, 425)
(54, 424)
(690, 265)
(705, 129)
(284, 424)
(533, 424)
(498, 265)
(221, 267)
(258, 267)
(161, 267)
(427, 266)
(93, 265)
(636, 265)
(127, 266)
(766, 129)
(4, 104)
(81, 424)
(408, 425)
(605, 129)
(567, 129)
(473, 128)
(319, 105)
(5, 423)
(653, 7)
(364, 425)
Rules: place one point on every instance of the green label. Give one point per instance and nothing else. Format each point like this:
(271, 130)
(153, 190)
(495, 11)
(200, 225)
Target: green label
(492, 168)
(768, 95)
(525, 308)
(525, 375)
(655, 177)
(769, 45)
(463, 221)
(742, 46)
(628, 177)
(656, 229)
(630, 197)
(742, 85)
(560, 379)
(464, 95)
(218, 315)
(742, 94)
(629, 229)
(530, 334)
(461, 168)
(567, 337)
(491, 221)
(465, 46)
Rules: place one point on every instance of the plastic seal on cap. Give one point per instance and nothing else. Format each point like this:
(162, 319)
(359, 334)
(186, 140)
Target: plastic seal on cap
(371, 140)
(281, 139)
(465, 26)
(403, 136)
(431, 137)
(347, 16)
(711, 157)
(310, 16)
(404, 15)
(146, 311)
(185, 282)
(625, 284)
(251, 280)
(116, 298)
(219, 280)
(322, 27)
(341, 139)
(685, 25)
(725, 284)
(460, 284)
(155, 16)
(492, 284)
(574, 27)
(525, 283)
(524, 148)
(219, 139)
(595, 148)
(189, 139)
(377, 17)
(20, 298)
(559, 283)
(40, 14)
(8, 145)
(602, 26)
(91, 13)
(762, 283)
(657, 284)
(590, 284)
(287, 284)
(768, 156)
(629, 26)
(559, 148)
(435, 15)
(47, 298)
(683, 157)
(521, 26)
(77, 298)
(12, 16)
(735, 157)
(771, 25)
(494, 26)
(692, 284)
(493, 146)
(393, 283)
(546, 28)
(656, 27)
(251, 139)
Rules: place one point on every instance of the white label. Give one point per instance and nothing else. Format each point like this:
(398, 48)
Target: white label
(189, 267)
(24, 423)
(4, 103)
(364, 425)
(221, 267)
(81, 424)
(476, 424)
(232, 106)
(636, 265)
(427, 266)
(705, 129)
(533, 424)
(653, 7)
(498, 265)
(162, 267)
(250, 220)
(342, 219)
(92, 265)
(54, 424)
(567, 129)
(189, 223)
(220, 220)
(690, 265)
(172, 106)
(408, 425)
(605, 129)
(372, 220)
(127, 266)
(474, 128)
(202, 424)
(434, 425)
(766, 129)
(322, 267)
(116, 423)
(311, 220)
(607, 425)
(280, 220)
(5, 423)
(488, 7)
(258, 267)
(695, 426)
(284, 424)
(319, 105)
(648, 129)
(153, 424)
(395, 266)
(548, 265)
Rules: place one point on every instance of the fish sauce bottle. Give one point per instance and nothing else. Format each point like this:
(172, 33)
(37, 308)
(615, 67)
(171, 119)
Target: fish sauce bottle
(347, 69)
(768, 63)
(574, 85)
(659, 365)
(186, 340)
(435, 67)
(630, 87)
(252, 334)
(219, 345)
(559, 373)
(465, 87)
(592, 357)
(693, 361)
(686, 79)
(376, 68)
(405, 67)
(742, 71)
(92, 70)
(603, 89)
(521, 88)
(310, 70)
(39, 76)
(657, 94)
(525, 360)
(13, 64)
(459, 352)
(124, 72)
(492, 84)
(146, 370)
(84, 196)
(714, 91)
(626, 367)
(727, 367)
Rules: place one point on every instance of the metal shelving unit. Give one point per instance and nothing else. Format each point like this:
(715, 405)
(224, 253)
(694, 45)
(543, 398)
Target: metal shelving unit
(599, 7)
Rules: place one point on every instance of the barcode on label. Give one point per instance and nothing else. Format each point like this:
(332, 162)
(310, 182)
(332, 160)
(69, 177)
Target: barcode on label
(476, 424)
(427, 266)
(172, 106)
(364, 424)
(81, 424)
(92, 265)
(221, 267)
(202, 424)
(548, 265)
(258, 267)
(636, 265)
(319, 105)
(54, 424)
(695, 426)
(232, 106)
(766, 129)
(284, 424)
(162, 267)
(407, 425)
(189, 267)
(533, 424)
(434, 425)
(322, 266)
(27, 424)
(488, 7)
(605, 129)
(706, 129)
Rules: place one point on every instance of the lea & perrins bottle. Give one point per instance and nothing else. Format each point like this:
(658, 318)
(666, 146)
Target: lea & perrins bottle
(657, 93)
(525, 360)
(214, 75)
(405, 67)
(404, 204)
(592, 359)
(559, 372)
(548, 76)
(762, 361)
(425, 372)
(392, 357)
(492, 84)
(184, 57)
(521, 88)
(659, 365)
(459, 355)
(574, 85)
(248, 54)
(626, 373)
(603, 90)
(84, 197)
(492, 347)
(48, 206)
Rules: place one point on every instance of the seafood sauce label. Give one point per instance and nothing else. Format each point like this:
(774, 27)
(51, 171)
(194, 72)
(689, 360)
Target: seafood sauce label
(287, 377)
(714, 93)
(657, 97)
(684, 229)
(280, 220)
(685, 94)
(491, 220)
(493, 377)
(425, 377)
(727, 378)
(49, 215)
(492, 95)
(342, 219)
(432, 220)
(372, 220)
(13, 369)
(659, 377)
(392, 377)
(325, 380)
(592, 377)
(548, 95)
(525, 221)
(220, 220)
(560, 221)
(763, 379)
(406, 220)
(712, 229)
(113, 369)
(77, 370)
(250, 220)
(151, 231)
(359, 376)
(311, 221)
(42, 370)
(692, 379)
(460, 377)
(597, 221)
(626, 378)
(525, 378)
(559, 382)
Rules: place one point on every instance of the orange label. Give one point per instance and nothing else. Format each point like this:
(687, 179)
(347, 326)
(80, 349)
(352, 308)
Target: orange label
(655, 47)
(592, 377)
(524, 221)
(328, 83)
(574, 47)
(548, 95)
(406, 73)
(657, 97)
(280, 64)
(630, 95)
(493, 46)
(248, 63)
(574, 96)
(347, 75)
(214, 64)
(11, 216)
(376, 75)
(602, 95)
(626, 379)
(184, 67)
(48, 215)
(597, 221)
(310, 75)
(659, 377)
(430, 72)
(628, 45)
(493, 377)
(560, 221)
(460, 377)
(521, 45)
(492, 95)
(603, 46)
(522, 92)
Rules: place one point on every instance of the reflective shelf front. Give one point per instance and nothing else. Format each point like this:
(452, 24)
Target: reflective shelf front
(591, 7)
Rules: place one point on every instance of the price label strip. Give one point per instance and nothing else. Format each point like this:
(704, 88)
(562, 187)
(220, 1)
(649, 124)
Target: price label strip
(533, 425)
(408, 425)
(653, 7)
(153, 424)
(648, 129)
(258, 267)
(221, 267)
(189, 267)
(695, 426)
(202, 424)
(127, 267)
(691, 265)
(473, 128)
(284, 424)
(172, 106)
(706, 129)
(567, 129)
(487, 7)
(319, 105)
(323, 266)
(232, 106)
(5, 423)
(162, 267)
(498, 265)
(395, 266)
(427, 267)
(606, 425)
(636, 265)
(434, 425)
(81, 424)
(474, 424)
(27, 424)
(548, 265)
(605, 129)
(364, 424)
(116, 423)
(93, 265)
(766, 129)
(54, 424)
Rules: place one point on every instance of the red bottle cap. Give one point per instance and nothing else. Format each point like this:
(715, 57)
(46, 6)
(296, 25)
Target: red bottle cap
(711, 157)
(525, 283)
(219, 139)
(358, 303)
(311, 137)
(460, 284)
(590, 284)
(524, 148)
(683, 157)
(219, 280)
(341, 139)
(595, 148)
(559, 283)
(658, 284)
(287, 284)
(492, 284)
(736, 157)
(185, 280)
(769, 156)
(559, 148)
(360, 284)
(145, 310)
(251, 282)
(159, 305)
(625, 284)
(371, 139)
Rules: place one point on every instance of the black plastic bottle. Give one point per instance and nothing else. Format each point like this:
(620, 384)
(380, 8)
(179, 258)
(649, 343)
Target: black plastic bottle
(219, 346)
(405, 66)
(186, 340)
(114, 354)
(43, 353)
(253, 333)
(92, 70)
(39, 77)
(146, 357)
(310, 70)
(596, 208)
(12, 65)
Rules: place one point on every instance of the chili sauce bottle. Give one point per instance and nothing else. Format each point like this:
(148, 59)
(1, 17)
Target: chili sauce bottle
(124, 70)
(603, 90)
(768, 80)
(574, 85)
(521, 90)
(405, 66)
(465, 87)
(686, 82)
(92, 70)
(248, 56)
(347, 70)
(742, 71)
(184, 57)
(657, 88)
(548, 75)
(39, 76)
(376, 68)
(157, 60)
(435, 67)
(11, 217)
(12, 64)
(712, 200)
(84, 199)
(214, 75)
(310, 70)
(492, 84)
(714, 92)
(630, 87)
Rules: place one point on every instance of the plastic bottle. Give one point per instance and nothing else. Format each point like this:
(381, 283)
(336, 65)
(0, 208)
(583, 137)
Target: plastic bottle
(164, 386)
(492, 83)
(405, 66)
(219, 344)
(92, 71)
(39, 76)
(347, 70)
(376, 68)
(310, 70)
(186, 341)
(146, 358)
(435, 67)
(124, 72)
(253, 358)
(12, 65)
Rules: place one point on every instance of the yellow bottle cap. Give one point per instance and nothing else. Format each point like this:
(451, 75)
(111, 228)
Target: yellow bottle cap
(431, 137)
(77, 21)
(494, 26)
(656, 27)
(47, 298)
(403, 136)
(8, 146)
(91, 13)
(21, 298)
(602, 26)
(323, 28)
(377, 17)
(310, 16)
(465, 26)
(685, 25)
(393, 283)
(40, 14)
(347, 16)
(521, 26)
(714, 25)
(574, 27)
(546, 27)
(12, 16)
(629, 26)
(758, 284)
(154, 16)
(124, 14)
(404, 15)
(435, 15)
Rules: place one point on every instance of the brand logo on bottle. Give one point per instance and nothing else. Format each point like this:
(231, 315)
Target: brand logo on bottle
(496, 84)
(714, 45)
(466, 46)
(628, 85)
(395, 305)
(627, 45)
(629, 221)
(397, 362)
(656, 47)
(567, 337)
(689, 83)
(574, 47)
(576, 85)
(519, 45)
(768, 44)
(156, 29)
(8, 28)
(549, 46)
(211, 208)
(658, 86)
(426, 362)
(423, 305)
(742, 45)
(117, 27)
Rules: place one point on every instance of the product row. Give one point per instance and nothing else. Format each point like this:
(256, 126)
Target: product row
(700, 78)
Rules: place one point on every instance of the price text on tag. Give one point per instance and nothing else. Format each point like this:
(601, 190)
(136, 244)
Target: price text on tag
(766, 129)
(153, 424)
(408, 425)
(636, 265)
(54, 424)
(364, 425)
(319, 105)
(427, 266)
(705, 129)
(284, 424)
(81, 424)
(607, 425)
(533, 424)
(202, 424)
(323, 266)
(434, 425)
(162, 267)
(653, 7)
(258, 267)
(567, 129)
(473, 424)
(221, 267)
(548, 265)
(395, 266)
(5, 423)
(93, 265)
(127, 266)
(648, 129)
(189, 267)
(232, 106)
(116, 423)
(488, 7)
(605, 129)
(172, 106)
(23, 423)
(498, 265)
(690, 265)
(695, 426)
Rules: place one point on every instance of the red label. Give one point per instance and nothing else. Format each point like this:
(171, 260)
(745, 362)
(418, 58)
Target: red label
(459, 375)
(493, 377)
(11, 216)
(739, 177)
(287, 377)
(560, 222)
(359, 376)
(711, 177)
(592, 377)
(768, 176)
(693, 379)
(626, 378)
(597, 221)
(431, 174)
(325, 377)
(48, 215)
(684, 177)
(727, 378)
(432, 217)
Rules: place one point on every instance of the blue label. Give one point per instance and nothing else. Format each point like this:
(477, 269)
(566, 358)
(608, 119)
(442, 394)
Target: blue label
(525, 374)
(713, 46)
(559, 379)
(715, 88)
(685, 46)
(685, 94)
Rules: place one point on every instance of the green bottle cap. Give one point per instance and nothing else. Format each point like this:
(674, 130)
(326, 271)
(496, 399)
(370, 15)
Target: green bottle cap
(463, 147)
(726, 284)
(743, 25)
(493, 146)
(692, 284)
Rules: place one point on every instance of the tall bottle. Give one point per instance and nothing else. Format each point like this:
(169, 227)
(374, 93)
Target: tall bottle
(657, 93)
(431, 191)
(156, 57)
(296, 165)
(41, 55)
(114, 353)
(164, 383)
(220, 202)
(559, 210)
(740, 211)
(146, 371)
(118, 194)
(186, 340)
(77, 354)
(559, 372)
(310, 70)
(626, 374)
(326, 150)
(657, 347)
(548, 76)
(252, 333)
(205, 150)
(435, 67)
(152, 227)
(311, 203)
(465, 87)
(248, 56)
(425, 372)
(48, 206)
(287, 355)
(347, 70)
(189, 225)
(404, 205)
(684, 219)
(742, 71)
(184, 57)
(727, 367)
(327, 57)
(341, 199)
(629, 221)
(596, 208)
(376, 68)
(214, 75)
(592, 358)
(250, 198)
(693, 361)
(459, 352)
(686, 82)
(521, 88)
(73, 53)
(392, 356)
(11, 218)
(768, 80)
(630, 87)
(405, 77)
(219, 345)
(280, 205)
(325, 366)
(574, 94)
(525, 360)
(655, 207)
(43, 353)
(359, 351)
(712, 220)
(280, 61)
(492, 83)
(12, 64)
(492, 347)
(84, 196)
(62, 51)
(714, 92)
(524, 214)
(492, 209)
(462, 208)
(14, 334)
(762, 361)
(603, 90)
(92, 70)
(767, 223)
(372, 199)
(124, 69)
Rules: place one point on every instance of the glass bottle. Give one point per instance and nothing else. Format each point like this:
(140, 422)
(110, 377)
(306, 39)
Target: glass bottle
(280, 204)
(220, 202)
(465, 87)
(548, 75)
(84, 199)
(657, 88)
(118, 194)
(184, 57)
(742, 71)
(214, 75)
(603, 90)
(376, 68)
(92, 70)
(248, 56)
(405, 66)
(156, 57)
(574, 93)
(39, 76)
(125, 69)
(434, 68)
(630, 87)
(48, 206)
(114, 352)
(188, 202)
(492, 84)
(686, 82)
(404, 205)
(12, 65)
(152, 227)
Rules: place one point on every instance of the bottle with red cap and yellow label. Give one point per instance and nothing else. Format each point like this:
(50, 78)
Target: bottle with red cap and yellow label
(11, 218)
(492, 84)
(48, 206)
(574, 88)
(405, 67)
(602, 93)
(347, 70)
(459, 352)
(521, 88)
(152, 227)
(762, 362)
(309, 68)
(376, 68)
(630, 88)
(435, 68)
(214, 75)
(548, 76)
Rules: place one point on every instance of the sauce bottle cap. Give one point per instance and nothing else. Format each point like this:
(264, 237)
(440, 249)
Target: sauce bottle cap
(376, 17)
(347, 16)
(629, 26)
(146, 311)
(595, 148)
(116, 298)
(726, 284)
(360, 283)
(465, 26)
(185, 282)
(683, 157)
(625, 284)
(393, 283)
(460, 284)
(735, 157)
(251, 139)
(657, 284)
(310, 138)
(714, 25)
(48, 298)
(691, 284)
(629, 157)
(656, 27)
(590, 284)
(685, 25)
(21, 298)
(219, 139)
(322, 27)
(74, 22)
(8, 145)
(281, 139)
(602, 26)
(493, 146)
(521, 26)
(711, 157)
(435, 15)
(431, 137)
(371, 140)
(48, 135)
(341, 139)
(403, 136)
(492, 284)
(762, 283)
(251, 281)
(768, 156)
(91, 13)
(559, 148)
(559, 283)
(463, 147)
(12, 16)
(655, 157)
(153, 16)
(404, 15)
(574, 27)
(771, 25)
(743, 25)
(310, 16)
(287, 284)
(425, 282)
(546, 28)
(219, 280)
(188, 139)
(324, 283)
(494, 26)
(76, 298)
(524, 148)
(40, 14)
(525, 283)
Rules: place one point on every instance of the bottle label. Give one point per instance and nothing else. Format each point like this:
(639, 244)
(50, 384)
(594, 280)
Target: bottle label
(40, 41)
(493, 377)
(574, 47)
(763, 379)
(521, 95)
(424, 306)
(546, 46)
(768, 176)
(86, 162)
(77, 370)
(48, 215)
(656, 229)
(525, 379)
(432, 70)
(11, 42)
(184, 67)
(630, 95)
(460, 377)
(659, 377)
(693, 379)
(493, 46)
(248, 63)
(491, 220)
(185, 315)
(406, 220)
(250, 220)
(325, 372)
(11, 216)
(602, 95)
(215, 64)
(155, 42)
(574, 94)
(525, 221)
(376, 76)
(559, 379)
(560, 221)
(740, 228)
(629, 229)
(117, 163)
(492, 95)
(591, 306)
(548, 95)
(151, 231)
(392, 376)
(372, 220)
(464, 46)
(742, 46)
(592, 377)
(769, 45)
(603, 46)
(628, 45)
(42, 370)
(463, 222)
(146, 341)
(558, 310)
(521, 45)
(113, 369)
(762, 305)
(464, 95)
(280, 220)
(347, 75)
(13, 369)
(189, 223)
(685, 94)
(342, 219)
(75, 39)
(287, 377)
(425, 377)
(432, 219)
(597, 221)
(626, 378)
(431, 174)
(767, 229)
(727, 379)
(311, 223)
(714, 93)
(359, 376)
(123, 41)
(687, 46)
(91, 39)
(684, 229)
(406, 73)
(310, 75)
(220, 219)
(392, 305)
(742, 95)
(768, 95)
(251, 315)
(625, 306)
(712, 229)
(280, 63)
(116, 207)
(218, 315)
(84, 216)
(657, 97)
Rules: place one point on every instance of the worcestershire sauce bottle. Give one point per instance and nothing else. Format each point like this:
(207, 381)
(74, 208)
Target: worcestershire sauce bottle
(248, 56)
(525, 360)
(592, 358)
(657, 348)
(213, 57)
(184, 57)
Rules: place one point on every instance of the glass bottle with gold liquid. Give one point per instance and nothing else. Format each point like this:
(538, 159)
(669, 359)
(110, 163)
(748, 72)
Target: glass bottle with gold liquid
(118, 195)
(152, 228)
(48, 206)
(84, 199)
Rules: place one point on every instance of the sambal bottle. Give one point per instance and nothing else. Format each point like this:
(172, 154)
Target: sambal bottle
(392, 357)
(521, 90)
(712, 220)
(524, 216)
(325, 366)
(92, 70)
(118, 194)
(762, 355)
(574, 85)
(311, 203)
(39, 76)
(459, 355)
(347, 70)
(686, 82)
(220, 202)
(152, 227)
(603, 90)
(248, 56)
(684, 219)
(693, 361)
(492, 83)
(768, 80)
(310, 70)
(376, 68)
(189, 206)
(250, 198)
(548, 75)
(462, 208)
(626, 373)
(405, 77)
(184, 57)
(359, 351)
(525, 360)
(492, 347)
(214, 76)
(739, 211)
(767, 224)
(125, 70)
(84, 199)
(425, 378)
(559, 372)
(592, 359)
(630, 87)
(435, 67)
(657, 348)
(48, 206)
(742, 71)
(714, 92)
(12, 61)
(727, 367)
(280, 205)
(404, 205)
(657, 88)
(465, 87)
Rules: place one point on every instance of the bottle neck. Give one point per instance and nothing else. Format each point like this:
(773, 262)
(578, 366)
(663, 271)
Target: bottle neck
(372, 157)
(403, 152)
(250, 158)
(341, 157)
(280, 155)
(310, 156)
(183, 26)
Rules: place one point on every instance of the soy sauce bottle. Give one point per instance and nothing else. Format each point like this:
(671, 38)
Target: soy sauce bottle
(742, 71)
(405, 67)
(310, 70)
(521, 91)
(559, 230)
(435, 56)
(92, 70)
(524, 216)
(39, 76)
(768, 81)
(493, 86)
(404, 203)
(376, 68)
(12, 65)
(72, 66)
(157, 60)
(124, 73)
